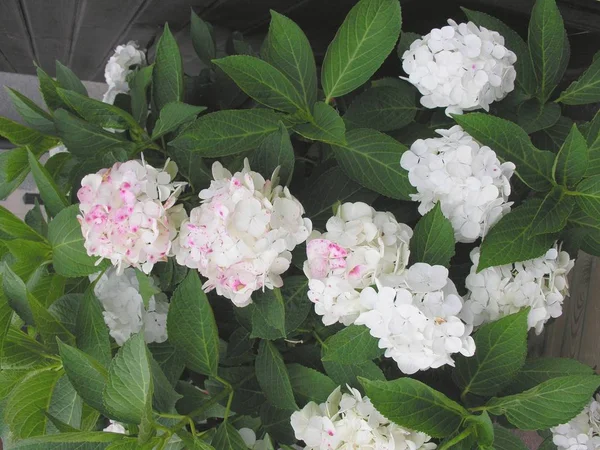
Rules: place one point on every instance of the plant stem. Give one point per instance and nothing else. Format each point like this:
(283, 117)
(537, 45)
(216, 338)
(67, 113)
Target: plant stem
(478, 408)
(466, 432)
(318, 338)
(229, 388)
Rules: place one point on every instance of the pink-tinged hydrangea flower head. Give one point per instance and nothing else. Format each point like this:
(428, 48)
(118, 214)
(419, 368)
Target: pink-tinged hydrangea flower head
(242, 235)
(128, 213)
(359, 246)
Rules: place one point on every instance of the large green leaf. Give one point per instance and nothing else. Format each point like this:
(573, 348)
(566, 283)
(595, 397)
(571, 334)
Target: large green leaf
(287, 49)
(586, 89)
(227, 132)
(91, 333)
(69, 441)
(32, 114)
(138, 92)
(414, 405)
(372, 159)
(202, 39)
(351, 345)
(48, 326)
(69, 256)
(552, 215)
(309, 384)
(167, 77)
(16, 293)
(535, 116)
(433, 239)
(6, 314)
(12, 226)
(18, 135)
(275, 151)
(54, 200)
(192, 167)
(511, 143)
(48, 87)
(14, 167)
(588, 196)
(268, 315)
(325, 125)
(228, 438)
(192, 328)
(383, 108)
(68, 80)
(546, 45)
(65, 405)
(273, 377)
(367, 36)
(511, 239)
(263, 82)
(128, 390)
(505, 440)
(500, 352)
(550, 403)
(22, 352)
(164, 396)
(572, 159)
(173, 115)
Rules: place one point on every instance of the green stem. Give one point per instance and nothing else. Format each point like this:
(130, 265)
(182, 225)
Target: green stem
(478, 408)
(318, 338)
(466, 432)
(229, 388)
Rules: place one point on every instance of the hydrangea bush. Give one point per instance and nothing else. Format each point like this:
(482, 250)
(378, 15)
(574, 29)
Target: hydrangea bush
(265, 256)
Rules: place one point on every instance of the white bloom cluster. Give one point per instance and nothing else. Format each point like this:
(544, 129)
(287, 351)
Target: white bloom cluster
(119, 67)
(242, 235)
(350, 421)
(539, 283)
(467, 179)
(582, 432)
(417, 322)
(127, 213)
(61, 148)
(124, 312)
(460, 67)
(360, 245)
(115, 427)
(249, 437)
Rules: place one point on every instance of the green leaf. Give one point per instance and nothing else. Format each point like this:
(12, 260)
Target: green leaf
(553, 138)
(225, 133)
(54, 200)
(192, 167)
(550, 403)
(484, 429)
(9, 379)
(6, 314)
(14, 168)
(511, 143)
(147, 288)
(384, 108)
(228, 438)
(268, 315)
(275, 151)
(546, 45)
(273, 377)
(173, 115)
(572, 160)
(169, 360)
(309, 384)
(406, 39)
(500, 352)
(263, 82)
(287, 49)
(65, 310)
(68, 80)
(27, 257)
(353, 344)
(91, 333)
(35, 219)
(128, 390)
(48, 326)
(325, 125)
(511, 239)
(192, 328)
(365, 39)
(343, 374)
(167, 77)
(85, 139)
(505, 440)
(27, 403)
(165, 396)
(87, 375)
(412, 404)
(524, 68)
(23, 352)
(18, 135)
(16, 294)
(65, 406)
(588, 196)
(12, 226)
(32, 114)
(138, 90)
(586, 89)
(552, 215)
(535, 116)
(433, 239)
(97, 440)
(372, 159)
(69, 256)
(48, 88)
(538, 370)
(202, 39)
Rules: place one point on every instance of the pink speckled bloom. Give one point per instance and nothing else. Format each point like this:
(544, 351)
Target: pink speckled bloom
(127, 213)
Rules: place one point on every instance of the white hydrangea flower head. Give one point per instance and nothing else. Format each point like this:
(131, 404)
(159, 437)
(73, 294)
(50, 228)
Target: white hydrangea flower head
(115, 427)
(539, 283)
(124, 312)
(241, 237)
(417, 322)
(249, 437)
(460, 67)
(347, 420)
(58, 149)
(359, 246)
(119, 67)
(468, 180)
(582, 432)
(128, 213)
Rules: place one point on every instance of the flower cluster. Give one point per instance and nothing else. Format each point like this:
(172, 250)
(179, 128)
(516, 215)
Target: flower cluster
(460, 67)
(115, 427)
(124, 312)
(467, 179)
(348, 420)
(127, 213)
(360, 245)
(539, 283)
(417, 322)
(118, 69)
(242, 235)
(582, 432)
